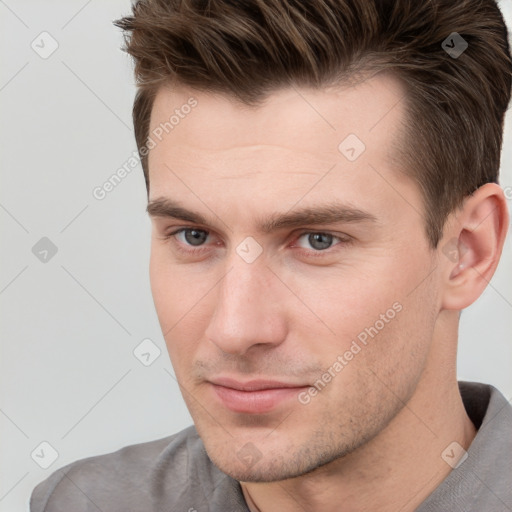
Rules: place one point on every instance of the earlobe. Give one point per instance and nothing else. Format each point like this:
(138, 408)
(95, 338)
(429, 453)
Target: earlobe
(472, 246)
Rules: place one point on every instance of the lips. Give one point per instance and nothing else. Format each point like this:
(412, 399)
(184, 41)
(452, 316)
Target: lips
(255, 396)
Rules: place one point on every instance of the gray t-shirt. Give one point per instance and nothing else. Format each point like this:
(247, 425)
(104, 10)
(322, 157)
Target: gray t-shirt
(174, 474)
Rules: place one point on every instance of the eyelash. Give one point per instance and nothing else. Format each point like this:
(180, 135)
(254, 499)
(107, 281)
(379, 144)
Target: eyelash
(306, 252)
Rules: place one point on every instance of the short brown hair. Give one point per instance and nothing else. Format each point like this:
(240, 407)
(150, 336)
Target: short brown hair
(249, 48)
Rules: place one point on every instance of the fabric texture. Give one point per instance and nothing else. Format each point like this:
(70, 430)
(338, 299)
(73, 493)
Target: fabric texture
(174, 474)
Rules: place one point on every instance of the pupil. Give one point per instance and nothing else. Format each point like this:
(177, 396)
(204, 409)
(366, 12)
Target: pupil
(320, 240)
(195, 237)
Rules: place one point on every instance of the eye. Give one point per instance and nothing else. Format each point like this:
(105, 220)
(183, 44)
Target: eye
(317, 241)
(191, 236)
(194, 241)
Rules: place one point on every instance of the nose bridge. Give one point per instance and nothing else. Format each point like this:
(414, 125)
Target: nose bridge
(245, 312)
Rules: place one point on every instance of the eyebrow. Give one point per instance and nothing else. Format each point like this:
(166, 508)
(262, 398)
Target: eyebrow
(330, 213)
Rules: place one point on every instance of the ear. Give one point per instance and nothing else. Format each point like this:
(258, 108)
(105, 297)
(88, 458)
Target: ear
(471, 246)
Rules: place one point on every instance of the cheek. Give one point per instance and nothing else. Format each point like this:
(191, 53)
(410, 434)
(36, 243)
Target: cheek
(382, 306)
(180, 298)
(166, 292)
(175, 288)
(163, 289)
(346, 301)
(396, 351)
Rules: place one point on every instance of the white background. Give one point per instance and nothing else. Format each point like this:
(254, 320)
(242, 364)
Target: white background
(68, 375)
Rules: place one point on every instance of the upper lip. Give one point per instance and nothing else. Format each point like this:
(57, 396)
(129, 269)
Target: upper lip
(253, 385)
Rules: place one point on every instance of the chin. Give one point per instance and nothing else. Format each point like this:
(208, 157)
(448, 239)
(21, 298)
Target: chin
(264, 467)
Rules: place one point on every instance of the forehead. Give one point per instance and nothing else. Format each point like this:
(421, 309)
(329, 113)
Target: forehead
(294, 140)
(290, 117)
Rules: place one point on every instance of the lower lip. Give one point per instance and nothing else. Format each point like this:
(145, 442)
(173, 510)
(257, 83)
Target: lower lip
(254, 402)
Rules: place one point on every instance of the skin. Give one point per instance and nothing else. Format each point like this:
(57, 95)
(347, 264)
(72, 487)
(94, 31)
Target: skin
(373, 436)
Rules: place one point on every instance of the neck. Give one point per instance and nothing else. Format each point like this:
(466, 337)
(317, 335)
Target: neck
(397, 469)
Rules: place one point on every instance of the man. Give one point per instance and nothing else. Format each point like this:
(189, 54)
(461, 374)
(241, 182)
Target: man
(322, 185)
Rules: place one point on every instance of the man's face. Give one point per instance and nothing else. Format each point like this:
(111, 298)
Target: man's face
(293, 343)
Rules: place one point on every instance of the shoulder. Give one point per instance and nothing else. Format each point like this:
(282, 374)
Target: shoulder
(482, 479)
(127, 479)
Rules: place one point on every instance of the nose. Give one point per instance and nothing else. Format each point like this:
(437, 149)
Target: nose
(249, 310)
